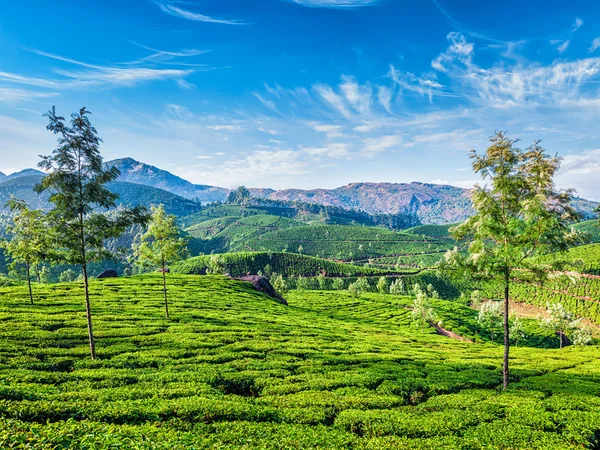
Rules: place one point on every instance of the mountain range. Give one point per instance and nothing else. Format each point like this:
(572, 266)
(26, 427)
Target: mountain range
(146, 184)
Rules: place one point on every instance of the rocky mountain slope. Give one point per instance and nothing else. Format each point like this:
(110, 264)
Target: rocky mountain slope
(431, 203)
(133, 171)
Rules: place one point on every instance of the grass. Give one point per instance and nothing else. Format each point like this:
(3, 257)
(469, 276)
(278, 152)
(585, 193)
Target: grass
(235, 369)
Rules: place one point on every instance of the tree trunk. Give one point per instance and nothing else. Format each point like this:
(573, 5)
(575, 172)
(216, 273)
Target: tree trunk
(560, 339)
(505, 372)
(165, 287)
(29, 282)
(88, 311)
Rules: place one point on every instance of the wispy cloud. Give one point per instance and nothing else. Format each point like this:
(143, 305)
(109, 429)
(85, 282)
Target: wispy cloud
(14, 95)
(171, 8)
(111, 76)
(576, 25)
(331, 150)
(595, 45)
(561, 46)
(332, 131)
(335, 4)
(377, 145)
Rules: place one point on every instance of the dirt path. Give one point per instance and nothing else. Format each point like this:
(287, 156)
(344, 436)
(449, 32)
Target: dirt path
(450, 334)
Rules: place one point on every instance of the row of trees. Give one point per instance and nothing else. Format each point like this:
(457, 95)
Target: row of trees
(74, 232)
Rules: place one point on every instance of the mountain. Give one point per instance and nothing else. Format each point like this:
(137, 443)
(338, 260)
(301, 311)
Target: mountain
(133, 171)
(432, 203)
(2, 176)
(24, 173)
(130, 194)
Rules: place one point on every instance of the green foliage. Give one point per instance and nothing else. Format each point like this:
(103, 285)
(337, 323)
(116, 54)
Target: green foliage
(518, 217)
(235, 369)
(161, 244)
(286, 264)
(559, 321)
(77, 182)
(422, 312)
(31, 240)
(490, 317)
(67, 276)
(382, 286)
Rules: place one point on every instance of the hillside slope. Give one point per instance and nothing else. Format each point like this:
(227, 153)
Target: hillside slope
(235, 369)
(432, 203)
(130, 194)
(133, 171)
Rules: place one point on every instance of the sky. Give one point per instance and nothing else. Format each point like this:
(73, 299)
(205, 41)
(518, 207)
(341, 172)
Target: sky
(306, 93)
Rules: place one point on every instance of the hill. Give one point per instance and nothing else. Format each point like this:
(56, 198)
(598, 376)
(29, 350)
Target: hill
(438, 231)
(235, 369)
(129, 194)
(347, 242)
(286, 264)
(429, 203)
(133, 171)
(591, 228)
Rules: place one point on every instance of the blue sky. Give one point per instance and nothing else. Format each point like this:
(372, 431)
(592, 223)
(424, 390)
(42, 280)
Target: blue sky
(306, 93)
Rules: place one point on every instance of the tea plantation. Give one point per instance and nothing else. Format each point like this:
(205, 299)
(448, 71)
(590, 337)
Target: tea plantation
(235, 369)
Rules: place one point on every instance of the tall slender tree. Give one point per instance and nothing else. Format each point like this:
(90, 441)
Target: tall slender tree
(76, 181)
(161, 245)
(30, 242)
(519, 216)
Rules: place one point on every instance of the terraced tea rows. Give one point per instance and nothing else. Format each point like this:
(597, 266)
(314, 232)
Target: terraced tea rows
(234, 368)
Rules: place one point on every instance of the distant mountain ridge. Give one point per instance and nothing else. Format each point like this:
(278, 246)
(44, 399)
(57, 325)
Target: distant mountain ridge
(133, 171)
(130, 194)
(431, 203)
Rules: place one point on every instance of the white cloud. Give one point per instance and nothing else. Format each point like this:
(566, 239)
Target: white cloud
(423, 86)
(368, 126)
(561, 46)
(269, 131)
(171, 9)
(359, 97)
(333, 150)
(377, 145)
(332, 131)
(269, 104)
(385, 96)
(14, 95)
(111, 76)
(576, 25)
(178, 111)
(234, 128)
(333, 99)
(203, 157)
(595, 45)
(19, 79)
(458, 50)
(275, 166)
(341, 4)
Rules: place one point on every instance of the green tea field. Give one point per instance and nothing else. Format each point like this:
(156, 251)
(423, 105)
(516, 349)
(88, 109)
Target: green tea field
(233, 368)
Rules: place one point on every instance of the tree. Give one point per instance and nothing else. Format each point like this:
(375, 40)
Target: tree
(582, 336)
(67, 276)
(280, 285)
(476, 299)
(76, 181)
(517, 331)
(518, 216)
(161, 245)
(559, 321)
(354, 290)
(490, 317)
(382, 286)
(30, 241)
(422, 312)
(338, 284)
(397, 287)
